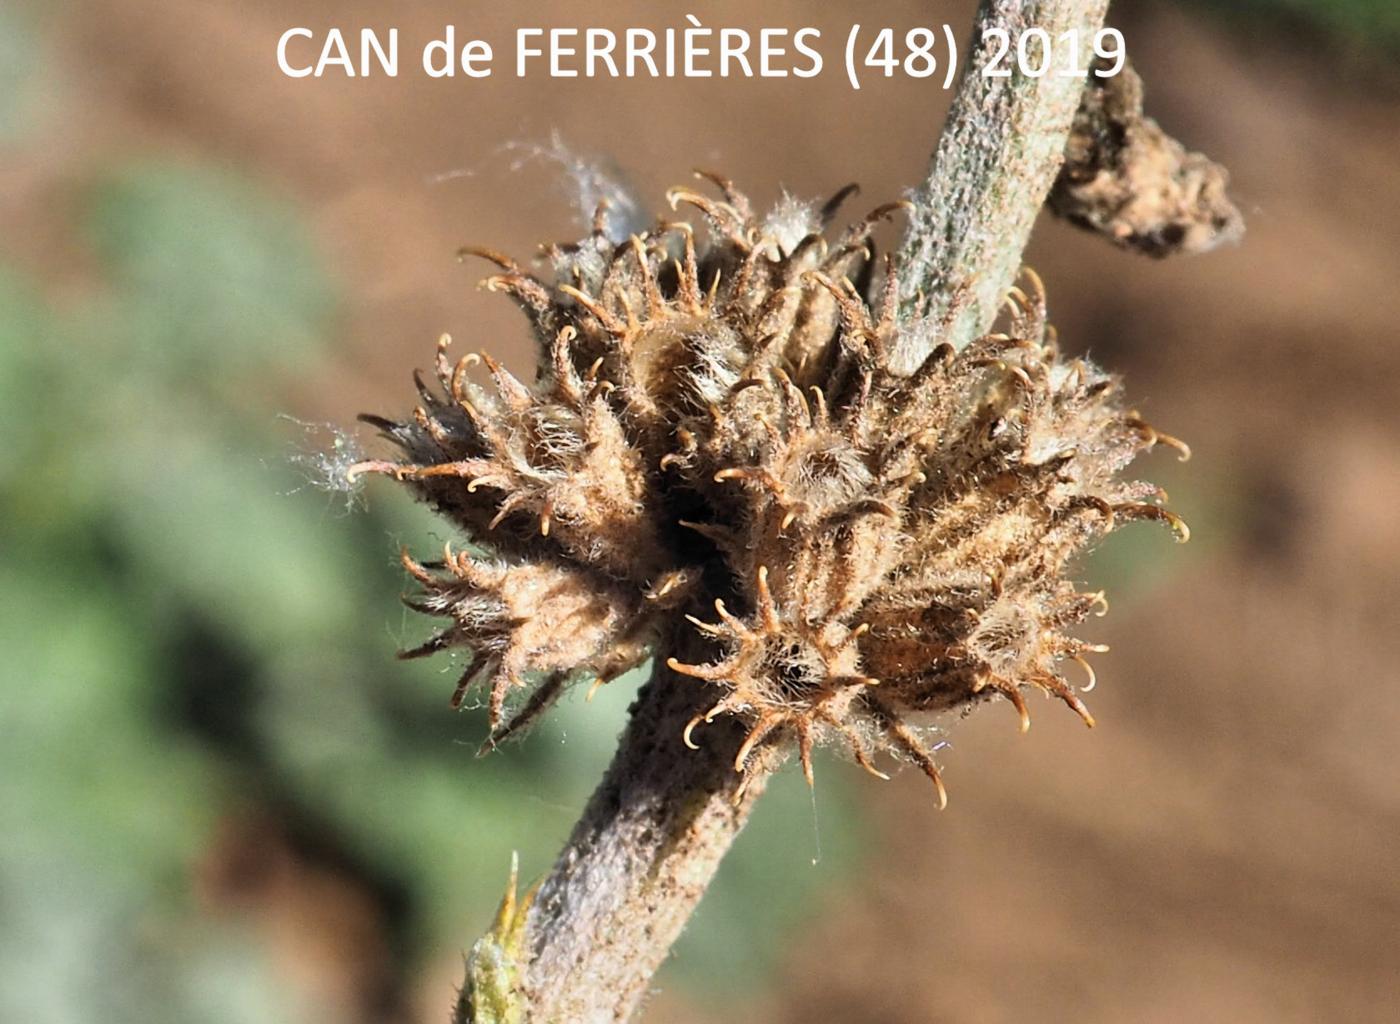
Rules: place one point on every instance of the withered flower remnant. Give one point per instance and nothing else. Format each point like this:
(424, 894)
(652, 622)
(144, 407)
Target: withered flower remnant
(743, 458)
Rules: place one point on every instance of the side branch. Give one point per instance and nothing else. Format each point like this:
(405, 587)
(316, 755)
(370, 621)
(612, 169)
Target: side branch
(997, 158)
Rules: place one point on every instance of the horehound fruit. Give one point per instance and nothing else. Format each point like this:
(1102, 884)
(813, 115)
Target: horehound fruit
(742, 455)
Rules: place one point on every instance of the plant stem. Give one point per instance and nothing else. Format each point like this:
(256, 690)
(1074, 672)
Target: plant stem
(639, 860)
(997, 158)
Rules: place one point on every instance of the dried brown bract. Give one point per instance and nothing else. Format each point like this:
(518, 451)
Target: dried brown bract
(742, 456)
(1128, 180)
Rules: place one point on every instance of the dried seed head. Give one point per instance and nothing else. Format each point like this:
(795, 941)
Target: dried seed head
(735, 454)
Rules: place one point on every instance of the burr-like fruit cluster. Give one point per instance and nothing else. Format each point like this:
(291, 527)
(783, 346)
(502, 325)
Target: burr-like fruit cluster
(744, 457)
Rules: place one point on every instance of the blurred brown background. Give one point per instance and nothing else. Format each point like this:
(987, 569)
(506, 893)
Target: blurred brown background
(227, 802)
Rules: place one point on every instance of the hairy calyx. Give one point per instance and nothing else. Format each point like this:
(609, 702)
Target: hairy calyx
(742, 456)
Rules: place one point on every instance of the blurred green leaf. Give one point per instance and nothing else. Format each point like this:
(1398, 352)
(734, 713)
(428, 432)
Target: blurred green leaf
(100, 779)
(214, 276)
(204, 522)
(79, 946)
(26, 332)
